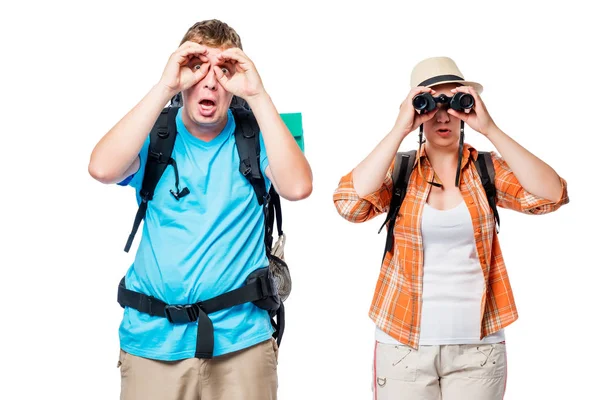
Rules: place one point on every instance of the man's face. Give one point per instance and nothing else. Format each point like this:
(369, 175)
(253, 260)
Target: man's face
(207, 102)
(443, 129)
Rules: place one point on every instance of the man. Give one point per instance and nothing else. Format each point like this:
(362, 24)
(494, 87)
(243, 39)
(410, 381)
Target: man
(204, 228)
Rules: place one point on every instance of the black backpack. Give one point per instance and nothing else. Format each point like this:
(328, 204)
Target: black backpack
(266, 287)
(403, 168)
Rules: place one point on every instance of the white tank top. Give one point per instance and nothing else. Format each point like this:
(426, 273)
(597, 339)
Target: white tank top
(452, 281)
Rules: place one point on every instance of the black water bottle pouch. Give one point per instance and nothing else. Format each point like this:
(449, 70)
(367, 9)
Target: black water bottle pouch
(270, 300)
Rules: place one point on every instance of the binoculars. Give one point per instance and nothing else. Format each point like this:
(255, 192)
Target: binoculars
(425, 102)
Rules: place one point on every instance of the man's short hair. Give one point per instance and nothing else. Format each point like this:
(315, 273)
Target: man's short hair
(213, 33)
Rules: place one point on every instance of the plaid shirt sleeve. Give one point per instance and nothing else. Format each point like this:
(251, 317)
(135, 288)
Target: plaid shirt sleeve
(360, 209)
(510, 194)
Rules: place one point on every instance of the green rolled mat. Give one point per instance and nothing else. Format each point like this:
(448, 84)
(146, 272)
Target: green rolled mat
(294, 123)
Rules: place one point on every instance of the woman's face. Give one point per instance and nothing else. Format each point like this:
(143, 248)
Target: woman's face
(443, 130)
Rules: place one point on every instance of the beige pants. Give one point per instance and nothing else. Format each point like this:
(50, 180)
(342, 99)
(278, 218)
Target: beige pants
(249, 374)
(451, 372)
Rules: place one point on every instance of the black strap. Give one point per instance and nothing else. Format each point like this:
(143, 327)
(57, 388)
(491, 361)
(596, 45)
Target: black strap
(273, 214)
(276, 203)
(485, 168)
(162, 140)
(187, 313)
(139, 216)
(248, 145)
(280, 325)
(403, 167)
(460, 153)
(254, 291)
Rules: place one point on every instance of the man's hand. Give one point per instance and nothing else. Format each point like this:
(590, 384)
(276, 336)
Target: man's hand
(186, 67)
(244, 81)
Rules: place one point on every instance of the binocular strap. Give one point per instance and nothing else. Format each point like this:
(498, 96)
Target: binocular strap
(460, 153)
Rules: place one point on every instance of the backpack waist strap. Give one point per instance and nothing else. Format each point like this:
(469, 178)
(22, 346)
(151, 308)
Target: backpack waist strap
(259, 290)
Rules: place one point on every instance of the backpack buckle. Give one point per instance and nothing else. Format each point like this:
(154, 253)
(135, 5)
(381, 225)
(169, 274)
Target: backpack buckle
(182, 314)
(180, 193)
(145, 196)
(155, 156)
(265, 286)
(246, 169)
(162, 132)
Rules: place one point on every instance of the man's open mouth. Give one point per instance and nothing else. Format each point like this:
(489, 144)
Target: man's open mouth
(207, 103)
(208, 107)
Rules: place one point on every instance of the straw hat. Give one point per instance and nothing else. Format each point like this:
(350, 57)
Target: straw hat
(438, 70)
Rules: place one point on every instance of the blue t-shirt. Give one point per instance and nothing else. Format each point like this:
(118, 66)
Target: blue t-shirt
(196, 248)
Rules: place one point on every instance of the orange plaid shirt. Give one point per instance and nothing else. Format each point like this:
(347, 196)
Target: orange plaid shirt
(396, 305)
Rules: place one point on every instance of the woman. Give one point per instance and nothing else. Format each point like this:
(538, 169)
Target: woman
(443, 297)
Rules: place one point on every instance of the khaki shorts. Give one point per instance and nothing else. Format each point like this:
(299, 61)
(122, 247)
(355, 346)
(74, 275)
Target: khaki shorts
(449, 372)
(249, 374)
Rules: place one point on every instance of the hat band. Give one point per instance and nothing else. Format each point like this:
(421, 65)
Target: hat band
(440, 78)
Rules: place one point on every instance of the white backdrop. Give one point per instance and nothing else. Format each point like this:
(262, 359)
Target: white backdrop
(70, 71)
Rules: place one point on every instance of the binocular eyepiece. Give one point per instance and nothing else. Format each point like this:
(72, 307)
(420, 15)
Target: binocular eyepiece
(425, 102)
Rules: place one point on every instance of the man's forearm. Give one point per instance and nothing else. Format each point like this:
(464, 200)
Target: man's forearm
(119, 148)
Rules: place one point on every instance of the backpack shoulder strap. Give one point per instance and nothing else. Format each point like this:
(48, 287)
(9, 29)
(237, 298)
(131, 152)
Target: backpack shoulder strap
(162, 140)
(403, 167)
(485, 169)
(248, 145)
(407, 157)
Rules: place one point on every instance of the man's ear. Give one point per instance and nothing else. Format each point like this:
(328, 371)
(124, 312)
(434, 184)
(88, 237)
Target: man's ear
(177, 100)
